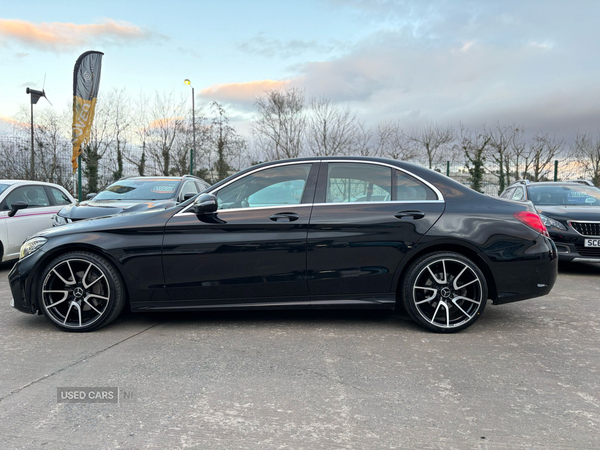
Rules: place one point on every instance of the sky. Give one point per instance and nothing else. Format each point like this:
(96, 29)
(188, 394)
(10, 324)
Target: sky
(531, 63)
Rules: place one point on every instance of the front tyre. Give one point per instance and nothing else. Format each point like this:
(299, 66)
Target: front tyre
(445, 292)
(81, 291)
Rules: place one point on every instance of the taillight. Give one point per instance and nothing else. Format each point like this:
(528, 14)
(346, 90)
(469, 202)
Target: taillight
(532, 220)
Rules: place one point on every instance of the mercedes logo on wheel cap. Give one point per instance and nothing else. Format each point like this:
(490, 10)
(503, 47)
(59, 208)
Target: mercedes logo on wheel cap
(78, 292)
(446, 292)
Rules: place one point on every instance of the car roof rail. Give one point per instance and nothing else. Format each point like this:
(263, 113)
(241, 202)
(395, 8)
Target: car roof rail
(525, 182)
(582, 181)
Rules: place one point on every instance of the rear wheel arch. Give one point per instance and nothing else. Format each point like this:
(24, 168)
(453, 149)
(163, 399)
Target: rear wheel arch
(446, 247)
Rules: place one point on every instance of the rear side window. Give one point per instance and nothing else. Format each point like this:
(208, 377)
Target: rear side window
(410, 189)
(518, 194)
(508, 193)
(60, 198)
(356, 182)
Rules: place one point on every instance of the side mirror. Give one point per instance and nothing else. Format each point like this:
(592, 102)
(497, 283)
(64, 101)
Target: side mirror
(15, 207)
(205, 204)
(91, 195)
(189, 195)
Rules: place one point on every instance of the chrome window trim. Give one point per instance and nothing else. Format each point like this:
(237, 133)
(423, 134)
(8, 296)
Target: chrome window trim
(582, 221)
(427, 183)
(440, 198)
(289, 163)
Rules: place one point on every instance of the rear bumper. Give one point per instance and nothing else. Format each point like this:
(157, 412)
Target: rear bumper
(530, 274)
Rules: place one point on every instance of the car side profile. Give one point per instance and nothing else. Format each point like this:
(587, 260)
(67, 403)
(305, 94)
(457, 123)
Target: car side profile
(571, 212)
(27, 207)
(303, 233)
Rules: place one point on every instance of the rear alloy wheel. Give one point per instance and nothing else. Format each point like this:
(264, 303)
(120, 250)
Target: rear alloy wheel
(81, 291)
(445, 292)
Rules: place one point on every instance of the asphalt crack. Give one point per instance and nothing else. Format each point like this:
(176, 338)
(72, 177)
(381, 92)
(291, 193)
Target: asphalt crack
(73, 364)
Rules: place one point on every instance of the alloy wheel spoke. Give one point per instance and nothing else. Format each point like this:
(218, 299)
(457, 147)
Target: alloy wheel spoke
(447, 308)
(466, 284)
(436, 311)
(459, 307)
(428, 299)
(85, 276)
(435, 278)
(93, 282)
(96, 296)
(66, 282)
(457, 277)
(71, 270)
(90, 305)
(460, 297)
(68, 312)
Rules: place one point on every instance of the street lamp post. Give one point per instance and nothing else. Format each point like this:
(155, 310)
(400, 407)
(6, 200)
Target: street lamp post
(34, 97)
(189, 83)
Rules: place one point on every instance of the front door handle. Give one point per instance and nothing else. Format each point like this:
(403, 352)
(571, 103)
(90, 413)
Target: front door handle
(284, 217)
(414, 214)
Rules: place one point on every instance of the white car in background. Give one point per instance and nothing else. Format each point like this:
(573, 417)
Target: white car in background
(27, 207)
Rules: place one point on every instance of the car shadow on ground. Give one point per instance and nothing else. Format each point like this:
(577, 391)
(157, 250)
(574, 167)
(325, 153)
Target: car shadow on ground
(578, 268)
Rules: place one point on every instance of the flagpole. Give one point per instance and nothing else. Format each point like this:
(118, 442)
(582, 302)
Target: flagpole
(79, 178)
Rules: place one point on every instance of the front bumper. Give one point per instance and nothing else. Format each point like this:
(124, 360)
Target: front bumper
(570, 246)
(22, 283)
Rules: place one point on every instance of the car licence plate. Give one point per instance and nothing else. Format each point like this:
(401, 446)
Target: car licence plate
(591, 243)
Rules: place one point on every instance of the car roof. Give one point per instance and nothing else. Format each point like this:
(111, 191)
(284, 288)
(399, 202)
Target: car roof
(26, 182)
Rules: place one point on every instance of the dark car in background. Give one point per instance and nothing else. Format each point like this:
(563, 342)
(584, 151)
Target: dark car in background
(133, 194)
(571, 212)
(303, 233)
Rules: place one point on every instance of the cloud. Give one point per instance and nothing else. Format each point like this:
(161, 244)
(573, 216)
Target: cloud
(261, 45)
(243, 94)
(60, 36)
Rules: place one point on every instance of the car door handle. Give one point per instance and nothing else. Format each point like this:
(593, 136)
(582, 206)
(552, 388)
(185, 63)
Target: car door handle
(414, 214)
(284, 217)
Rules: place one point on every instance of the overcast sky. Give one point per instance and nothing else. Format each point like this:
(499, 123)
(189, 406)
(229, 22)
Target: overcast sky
(533, 63)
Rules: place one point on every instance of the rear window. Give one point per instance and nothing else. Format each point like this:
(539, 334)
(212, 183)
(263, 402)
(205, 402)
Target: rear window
(564, 195)
(140, 189)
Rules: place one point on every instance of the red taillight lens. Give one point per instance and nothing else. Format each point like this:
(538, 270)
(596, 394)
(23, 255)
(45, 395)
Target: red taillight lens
(532, 220)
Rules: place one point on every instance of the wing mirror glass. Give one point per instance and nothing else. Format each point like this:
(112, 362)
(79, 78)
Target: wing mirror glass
(205, 204)
(15, 206)
(188, 195)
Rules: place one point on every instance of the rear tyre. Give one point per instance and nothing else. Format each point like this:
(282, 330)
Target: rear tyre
(81, 291)
(444, 292)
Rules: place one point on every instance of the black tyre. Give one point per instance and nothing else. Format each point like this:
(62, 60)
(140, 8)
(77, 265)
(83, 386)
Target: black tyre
(445, 292)
(81, 291)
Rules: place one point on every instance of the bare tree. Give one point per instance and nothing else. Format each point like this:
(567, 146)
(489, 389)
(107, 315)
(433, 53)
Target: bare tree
(586, 150)
(165, 127)
(280, 123)
(332, 130)
(544, 150)
(432, 140)
(505, 148)
(391, 142)
(474, 146)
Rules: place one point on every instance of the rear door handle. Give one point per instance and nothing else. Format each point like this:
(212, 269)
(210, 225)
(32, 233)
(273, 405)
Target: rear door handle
(414, 214)
(284, 217)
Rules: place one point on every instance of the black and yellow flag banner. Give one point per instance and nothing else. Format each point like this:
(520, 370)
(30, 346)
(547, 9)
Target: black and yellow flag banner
(86, 82)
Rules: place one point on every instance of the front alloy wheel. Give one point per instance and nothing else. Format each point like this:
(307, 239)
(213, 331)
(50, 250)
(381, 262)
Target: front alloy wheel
(81, 291)
(444, 292)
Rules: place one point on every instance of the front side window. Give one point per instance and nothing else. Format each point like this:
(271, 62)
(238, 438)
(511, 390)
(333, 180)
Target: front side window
(555, 195)
(60, 198)
(34, 196)
(410, 189)
(277, 186)
(140, 189)
(357, 182)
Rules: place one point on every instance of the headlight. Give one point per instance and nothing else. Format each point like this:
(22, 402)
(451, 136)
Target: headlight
(60, 220)
(32, 245)
(551, 223)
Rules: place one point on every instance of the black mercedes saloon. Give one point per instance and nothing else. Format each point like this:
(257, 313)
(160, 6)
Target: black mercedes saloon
(571, 212)
(304, 233)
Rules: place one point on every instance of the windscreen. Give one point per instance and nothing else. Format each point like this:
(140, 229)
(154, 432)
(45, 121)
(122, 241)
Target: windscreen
(140, 189)
(3, 187)
(564, 195)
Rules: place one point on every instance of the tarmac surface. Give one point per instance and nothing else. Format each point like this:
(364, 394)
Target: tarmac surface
(526, 375)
